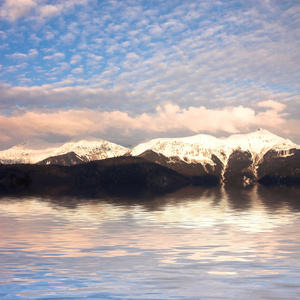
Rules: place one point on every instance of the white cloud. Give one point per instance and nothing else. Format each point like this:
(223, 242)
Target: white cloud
(75, 59)
(155, 29)
(68, 38)
(33, 53)
(55, 56)
(14, 9)
(11, 69)
(23, 56)
(47, 11)
(78, 70)
(95, 57)
(49, 35)
(3, 35)
(17, 55)
(36, 40)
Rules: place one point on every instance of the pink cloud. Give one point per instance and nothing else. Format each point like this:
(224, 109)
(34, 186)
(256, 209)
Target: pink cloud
(277, 106)
(168, 118)
(15, 9)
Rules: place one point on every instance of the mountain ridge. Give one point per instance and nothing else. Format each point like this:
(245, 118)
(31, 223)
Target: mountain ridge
(239, 158)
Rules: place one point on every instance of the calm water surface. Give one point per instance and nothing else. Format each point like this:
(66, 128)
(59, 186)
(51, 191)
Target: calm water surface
(192, 244)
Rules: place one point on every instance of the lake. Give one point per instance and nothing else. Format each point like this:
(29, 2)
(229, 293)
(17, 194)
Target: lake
(195, 243)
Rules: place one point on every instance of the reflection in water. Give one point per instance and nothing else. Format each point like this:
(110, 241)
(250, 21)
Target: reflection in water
(192, 244)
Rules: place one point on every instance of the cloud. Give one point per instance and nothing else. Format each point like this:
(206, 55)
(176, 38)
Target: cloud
(14, 9)
(32, 53)
(22, 56)
(75, 59)
(78, 70)
(217, 58)
(47, 11)
(49, 35)
(68, 38)
(168, 118)
(272, 104)
(17, 55)
(3, 35)
(55, 56)
(95, 57)
(36, 40)
(35, 97)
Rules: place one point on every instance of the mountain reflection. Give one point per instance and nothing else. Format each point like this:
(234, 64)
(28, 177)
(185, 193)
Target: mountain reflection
(179, 241)
(191, 206)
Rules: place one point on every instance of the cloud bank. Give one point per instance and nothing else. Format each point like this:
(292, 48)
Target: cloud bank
(168, 119)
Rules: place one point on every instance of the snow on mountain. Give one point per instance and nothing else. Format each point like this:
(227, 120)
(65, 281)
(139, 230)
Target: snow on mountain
(201, 147)
(91, 149)
(196, 148)
(34, 151)
(30, 151)
(259, 142)
(242, 158)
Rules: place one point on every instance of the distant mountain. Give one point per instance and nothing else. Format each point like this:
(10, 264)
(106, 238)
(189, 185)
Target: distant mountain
(87, 149)
(242, 158)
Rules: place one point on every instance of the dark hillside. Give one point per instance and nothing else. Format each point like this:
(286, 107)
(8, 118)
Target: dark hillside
(110, 174)
(67, 159)
(276, 169)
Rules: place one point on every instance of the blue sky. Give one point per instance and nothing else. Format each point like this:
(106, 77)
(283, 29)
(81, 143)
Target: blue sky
(128, 71)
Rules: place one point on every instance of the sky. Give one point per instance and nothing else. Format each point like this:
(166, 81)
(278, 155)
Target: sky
(129, 71)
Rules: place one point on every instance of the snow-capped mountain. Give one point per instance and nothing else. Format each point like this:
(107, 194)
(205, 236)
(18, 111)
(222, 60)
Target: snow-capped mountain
(200, 148)
(204, 159)
(86, 149)
(239, 155)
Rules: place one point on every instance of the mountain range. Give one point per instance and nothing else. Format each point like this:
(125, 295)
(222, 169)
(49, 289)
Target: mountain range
(240, 158)
(77, 150)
